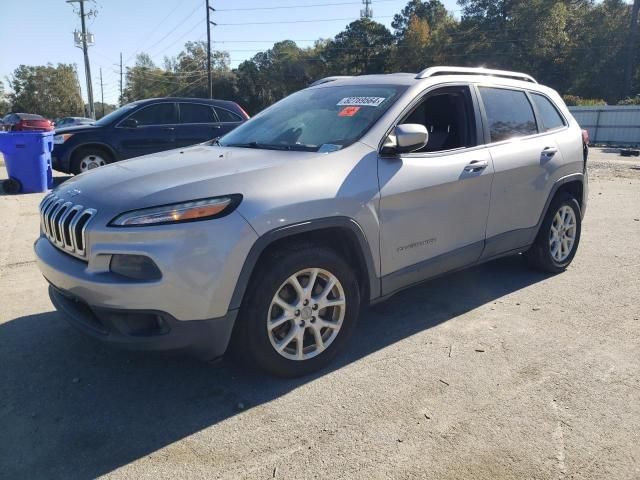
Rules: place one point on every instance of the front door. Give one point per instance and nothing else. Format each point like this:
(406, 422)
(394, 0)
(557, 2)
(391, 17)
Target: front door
(155, 130)
(434, 202)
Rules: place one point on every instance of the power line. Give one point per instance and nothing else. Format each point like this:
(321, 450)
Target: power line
(296, 7)
(166, 35)
(318, 20)
(167, 47)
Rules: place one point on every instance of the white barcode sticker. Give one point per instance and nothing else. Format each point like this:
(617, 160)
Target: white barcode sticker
(361, 101)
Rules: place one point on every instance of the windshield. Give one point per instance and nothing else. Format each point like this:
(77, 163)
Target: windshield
(107, 119)
(320, 119)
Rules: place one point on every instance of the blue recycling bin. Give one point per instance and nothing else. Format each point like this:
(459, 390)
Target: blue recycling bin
(27, 156)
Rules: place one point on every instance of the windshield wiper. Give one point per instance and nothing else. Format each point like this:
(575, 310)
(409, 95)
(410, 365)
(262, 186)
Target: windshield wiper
(244, 145)
(274, 146)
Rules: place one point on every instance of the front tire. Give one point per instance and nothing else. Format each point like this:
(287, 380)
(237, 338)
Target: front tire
(301, 309)
(89, 158)
(559, 236)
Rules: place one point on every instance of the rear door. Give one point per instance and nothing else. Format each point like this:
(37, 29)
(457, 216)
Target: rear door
(434, 202)
(198, 123)
(155, 131)
(228, 120)
(523, 159)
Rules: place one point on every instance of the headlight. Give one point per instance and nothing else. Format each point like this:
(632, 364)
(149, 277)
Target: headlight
(59, 139)
(195, 210)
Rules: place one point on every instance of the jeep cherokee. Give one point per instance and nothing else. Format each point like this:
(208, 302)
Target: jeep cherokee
(271, 238)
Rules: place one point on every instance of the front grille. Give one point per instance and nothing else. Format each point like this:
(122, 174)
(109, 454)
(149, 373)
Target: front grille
(65, 224)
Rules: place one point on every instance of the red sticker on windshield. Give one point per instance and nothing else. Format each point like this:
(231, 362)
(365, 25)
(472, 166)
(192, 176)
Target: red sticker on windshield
(348, 111)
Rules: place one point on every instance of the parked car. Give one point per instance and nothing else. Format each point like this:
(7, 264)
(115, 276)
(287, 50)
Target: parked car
(22, 122)
(335, 197)
(71, 121)
(141, 128)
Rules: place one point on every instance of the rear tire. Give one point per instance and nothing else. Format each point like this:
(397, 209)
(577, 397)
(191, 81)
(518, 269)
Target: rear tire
(283, 327)
(559, 236)
(89, 158)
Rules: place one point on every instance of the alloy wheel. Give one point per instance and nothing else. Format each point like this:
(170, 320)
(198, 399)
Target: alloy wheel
(306, 314)
(562, 235)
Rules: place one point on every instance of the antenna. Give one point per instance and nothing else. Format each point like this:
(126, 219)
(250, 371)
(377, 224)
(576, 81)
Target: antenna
(366, 12)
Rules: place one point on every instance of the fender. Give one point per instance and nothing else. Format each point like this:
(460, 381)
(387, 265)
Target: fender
(317, 224)
(580, 177)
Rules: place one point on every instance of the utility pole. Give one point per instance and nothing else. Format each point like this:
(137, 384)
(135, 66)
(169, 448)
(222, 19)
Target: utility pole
(209, 23)
(120, 99)
(366, 12)
(85, 51)
(101, 92)
(631, 50)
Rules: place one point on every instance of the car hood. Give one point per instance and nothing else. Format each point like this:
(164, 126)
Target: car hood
(76, 129)
(176, 175)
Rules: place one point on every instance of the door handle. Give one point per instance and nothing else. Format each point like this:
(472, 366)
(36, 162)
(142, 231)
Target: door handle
(476, 166)
(169, 129)
(549, 151)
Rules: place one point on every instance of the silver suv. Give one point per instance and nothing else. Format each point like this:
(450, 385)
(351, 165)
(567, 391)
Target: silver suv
(271, 238)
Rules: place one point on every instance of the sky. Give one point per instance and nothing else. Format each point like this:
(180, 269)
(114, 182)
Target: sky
(41, 31)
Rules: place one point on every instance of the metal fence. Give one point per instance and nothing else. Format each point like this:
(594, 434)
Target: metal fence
(611, 125)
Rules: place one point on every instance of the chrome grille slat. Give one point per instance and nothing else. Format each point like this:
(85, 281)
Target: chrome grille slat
(55, 213)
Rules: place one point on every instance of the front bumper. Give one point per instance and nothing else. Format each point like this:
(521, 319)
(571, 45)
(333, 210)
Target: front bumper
(187, 308)
(146, 330)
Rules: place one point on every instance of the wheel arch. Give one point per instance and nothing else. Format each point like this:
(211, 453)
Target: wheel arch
(98, 145)
(341, 234)
(572, 184)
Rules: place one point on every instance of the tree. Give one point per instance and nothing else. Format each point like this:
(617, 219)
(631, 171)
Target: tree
(5, 106)
(277, 72)
(363, 47)
(47, 90)
(108, 108)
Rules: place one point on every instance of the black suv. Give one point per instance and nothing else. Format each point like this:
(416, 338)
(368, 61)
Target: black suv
(143, 127)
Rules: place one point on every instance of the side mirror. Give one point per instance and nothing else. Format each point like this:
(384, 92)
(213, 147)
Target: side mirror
(410, 137)
(129, 123)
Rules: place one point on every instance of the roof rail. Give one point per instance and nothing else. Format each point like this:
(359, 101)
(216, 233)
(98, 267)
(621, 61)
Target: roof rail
(329, 79)
(434, 71)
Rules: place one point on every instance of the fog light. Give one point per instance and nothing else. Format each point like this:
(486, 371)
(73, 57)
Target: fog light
(136, 267)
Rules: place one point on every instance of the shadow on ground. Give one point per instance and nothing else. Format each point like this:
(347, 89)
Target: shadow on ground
(72, 408)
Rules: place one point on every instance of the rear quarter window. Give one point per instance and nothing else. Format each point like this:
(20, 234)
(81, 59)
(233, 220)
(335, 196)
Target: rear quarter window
(227, 116)
(549, 115)
(509, 113)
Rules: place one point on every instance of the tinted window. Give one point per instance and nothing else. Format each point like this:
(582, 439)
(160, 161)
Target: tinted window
(196, 113)
(549, 115)
(509, 113)
(160, 114)
(227, 116)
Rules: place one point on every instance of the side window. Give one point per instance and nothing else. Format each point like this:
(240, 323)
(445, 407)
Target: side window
(548, 113)
(227, 116)
(159, 114)
(447, 113)
(509, 113)
(196, 113)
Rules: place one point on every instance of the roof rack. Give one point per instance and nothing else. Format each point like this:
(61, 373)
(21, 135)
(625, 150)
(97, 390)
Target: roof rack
(434, 71)
(329, 79)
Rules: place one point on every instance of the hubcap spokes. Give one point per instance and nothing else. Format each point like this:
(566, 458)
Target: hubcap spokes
(306, 314)
(562, 235)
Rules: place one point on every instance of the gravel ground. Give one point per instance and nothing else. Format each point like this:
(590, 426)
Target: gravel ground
(495, 372)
